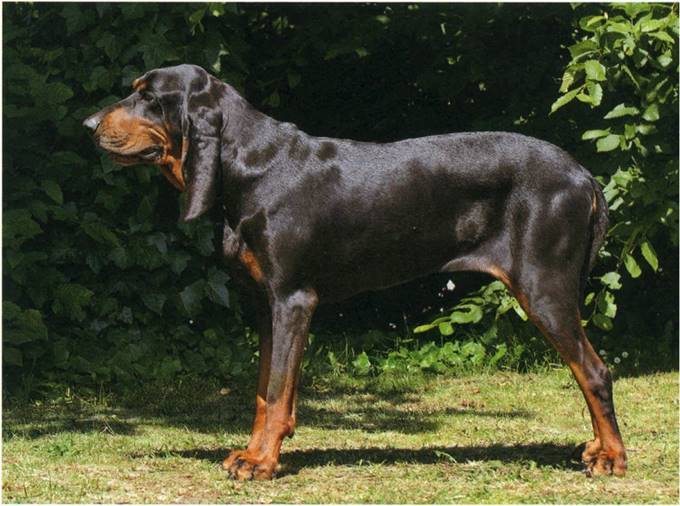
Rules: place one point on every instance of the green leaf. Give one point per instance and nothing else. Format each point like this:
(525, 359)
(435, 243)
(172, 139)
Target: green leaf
(651, 113)
(154, 301)
(53, 190)
(159, 240)
(594, 95)
(218, 293)
(603, 322)
(665, 59)
(362, 364)
(594, 134)
(423, 328)
(606, 304)
(608, 143)
(70, 301)
(650, 255)
(622, 177)
(119, 257)
(661, 35)
(595, 71)
(501, 351)
(633, 10)
(68, 159)
(623, 28)
(630, 76)
(100, 233)
(632, 266)
(584, 47)
(196, 17)
(55, 93)
(565, 99)
(612, 280)
(567, 80)
(471, 314)
(595, 92)
(646, 129)
(587, 23)
(622, 110)
(18, 226)
(520, 312)
(650, 25)
(589, 298)
(191, 297)
(22, 325)
(178, 261)
(446, 329)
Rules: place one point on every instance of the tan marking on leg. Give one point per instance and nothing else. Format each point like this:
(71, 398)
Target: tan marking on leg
(259, 421)
(251, 263)
(499, 274)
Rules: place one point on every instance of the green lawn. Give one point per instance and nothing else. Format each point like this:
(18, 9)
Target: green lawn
(487, 438)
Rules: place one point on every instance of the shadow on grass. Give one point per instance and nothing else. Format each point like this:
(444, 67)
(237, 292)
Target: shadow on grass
(381, 418)
(209, 412)
(542, 454)
(35, 422)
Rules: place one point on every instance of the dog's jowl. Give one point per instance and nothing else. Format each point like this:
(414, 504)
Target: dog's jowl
(309, 220)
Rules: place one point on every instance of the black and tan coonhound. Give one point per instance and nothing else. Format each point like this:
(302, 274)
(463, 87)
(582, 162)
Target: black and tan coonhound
(314, 219)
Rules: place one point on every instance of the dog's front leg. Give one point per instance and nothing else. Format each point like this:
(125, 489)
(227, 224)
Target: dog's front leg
(291, 314)
(264, 332)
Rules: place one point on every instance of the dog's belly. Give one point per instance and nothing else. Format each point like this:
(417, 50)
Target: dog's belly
(401, 240)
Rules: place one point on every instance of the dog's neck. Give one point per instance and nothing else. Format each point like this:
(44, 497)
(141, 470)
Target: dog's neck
(241, 123)
(253, 146)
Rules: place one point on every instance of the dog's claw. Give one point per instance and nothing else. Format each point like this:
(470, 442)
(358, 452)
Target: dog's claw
(244, 467)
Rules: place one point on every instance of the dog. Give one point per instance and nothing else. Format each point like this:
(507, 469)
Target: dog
(309, 220)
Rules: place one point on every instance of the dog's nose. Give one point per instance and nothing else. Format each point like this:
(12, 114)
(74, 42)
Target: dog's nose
(92, 122)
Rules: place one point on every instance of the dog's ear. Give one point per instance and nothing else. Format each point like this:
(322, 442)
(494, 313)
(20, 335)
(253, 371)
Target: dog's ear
(201, 122)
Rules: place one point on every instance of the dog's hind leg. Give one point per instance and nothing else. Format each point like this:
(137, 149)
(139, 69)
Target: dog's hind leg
(550, 298)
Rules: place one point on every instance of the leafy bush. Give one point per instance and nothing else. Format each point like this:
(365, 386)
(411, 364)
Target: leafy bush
(103, 286)
(625, 61)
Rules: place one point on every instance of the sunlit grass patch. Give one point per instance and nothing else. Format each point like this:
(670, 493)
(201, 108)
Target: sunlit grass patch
(484, 438)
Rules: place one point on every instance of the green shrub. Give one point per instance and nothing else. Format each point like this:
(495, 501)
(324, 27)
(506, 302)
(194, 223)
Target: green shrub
(102, 286)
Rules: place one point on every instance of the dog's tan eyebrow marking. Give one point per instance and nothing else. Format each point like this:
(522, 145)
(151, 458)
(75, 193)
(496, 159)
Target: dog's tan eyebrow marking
(139, 84)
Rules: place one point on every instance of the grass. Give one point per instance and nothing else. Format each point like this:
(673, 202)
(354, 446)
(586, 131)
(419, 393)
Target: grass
(487, 438)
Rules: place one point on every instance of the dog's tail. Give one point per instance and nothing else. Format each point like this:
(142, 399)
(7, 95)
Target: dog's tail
(599, 223)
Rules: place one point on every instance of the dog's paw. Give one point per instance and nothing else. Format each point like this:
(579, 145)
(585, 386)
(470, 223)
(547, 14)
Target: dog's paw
(589, 451)
(231, 458)
(242, 466)
(606, 463)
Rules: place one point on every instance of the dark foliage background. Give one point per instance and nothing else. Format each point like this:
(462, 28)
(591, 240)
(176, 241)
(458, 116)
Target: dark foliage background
(102, 286)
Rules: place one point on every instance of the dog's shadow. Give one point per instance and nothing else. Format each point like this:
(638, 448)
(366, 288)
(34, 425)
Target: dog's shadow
(557, 456)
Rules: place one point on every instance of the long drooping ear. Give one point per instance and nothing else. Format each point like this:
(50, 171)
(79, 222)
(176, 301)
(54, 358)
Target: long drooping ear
(201, 131)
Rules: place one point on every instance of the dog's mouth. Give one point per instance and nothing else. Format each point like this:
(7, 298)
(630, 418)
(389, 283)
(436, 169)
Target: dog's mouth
(150, 154)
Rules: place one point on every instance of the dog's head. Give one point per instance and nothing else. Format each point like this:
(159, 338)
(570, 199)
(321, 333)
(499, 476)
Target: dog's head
(173, 119)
